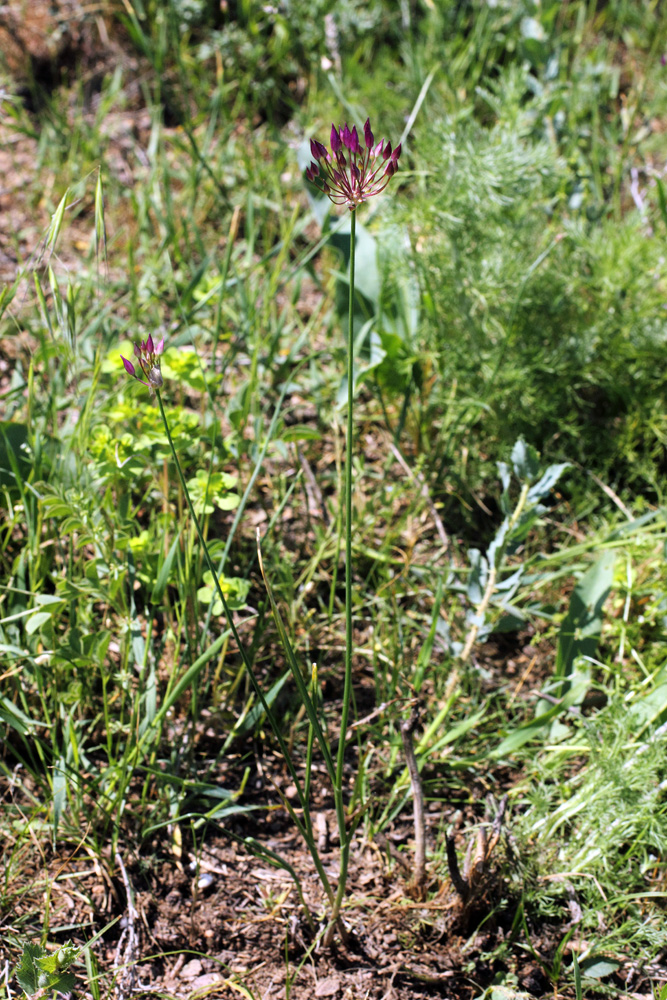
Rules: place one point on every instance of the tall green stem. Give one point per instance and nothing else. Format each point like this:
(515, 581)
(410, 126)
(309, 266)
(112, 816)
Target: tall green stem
(305, 826)
(347, 686)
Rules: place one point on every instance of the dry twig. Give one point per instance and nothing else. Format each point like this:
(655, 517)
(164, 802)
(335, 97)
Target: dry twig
(458, 881)
(407, 729)
(129, 937)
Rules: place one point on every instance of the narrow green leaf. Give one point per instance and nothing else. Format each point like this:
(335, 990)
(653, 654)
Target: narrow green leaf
(577, 976)
(456, 732)
(531, 729)
(662, 198)
(56, 223)
(15, 464)
(298, 676)
(13, 716)
(6, 296)
(43, 306)
(300, 432)
(59, 794)
(165, 571)
(92, 975)
(100, 227)
(248, 722)
(424, 657)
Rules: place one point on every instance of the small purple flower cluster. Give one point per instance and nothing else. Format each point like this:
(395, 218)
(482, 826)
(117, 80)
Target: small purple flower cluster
(148, 355)
(369, 170)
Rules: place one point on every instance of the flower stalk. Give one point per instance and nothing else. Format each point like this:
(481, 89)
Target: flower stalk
(349, 173)
(349, 635)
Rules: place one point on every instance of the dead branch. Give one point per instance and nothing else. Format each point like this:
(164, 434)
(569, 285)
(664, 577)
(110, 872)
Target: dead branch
(129, 937)
(407, 730)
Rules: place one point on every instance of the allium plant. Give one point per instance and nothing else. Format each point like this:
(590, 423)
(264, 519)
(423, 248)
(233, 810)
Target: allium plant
(349, 174)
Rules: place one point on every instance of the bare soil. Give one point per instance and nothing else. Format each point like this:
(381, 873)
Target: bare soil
(208, 916)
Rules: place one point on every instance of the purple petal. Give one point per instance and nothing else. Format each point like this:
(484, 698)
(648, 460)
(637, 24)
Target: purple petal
(160, 347)
(348, 141)
(390, 169)
(314, 149)
(150, 346)
(368, 135)
(137, 352)
(386, 152)
(397, 152)
(129, 367)
(335, 139)
(356, 147)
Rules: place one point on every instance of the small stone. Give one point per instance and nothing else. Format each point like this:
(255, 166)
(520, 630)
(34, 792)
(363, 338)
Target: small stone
(328, 987)
(192, 969)
(208, 979)
(173, 898)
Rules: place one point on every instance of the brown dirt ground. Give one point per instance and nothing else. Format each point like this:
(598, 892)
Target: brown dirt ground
(211, 917)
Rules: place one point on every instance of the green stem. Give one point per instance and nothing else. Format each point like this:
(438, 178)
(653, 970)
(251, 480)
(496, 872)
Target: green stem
(246, 661)
(347, 686)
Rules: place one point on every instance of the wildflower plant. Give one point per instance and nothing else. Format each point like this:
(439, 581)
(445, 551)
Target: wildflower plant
(350, 174)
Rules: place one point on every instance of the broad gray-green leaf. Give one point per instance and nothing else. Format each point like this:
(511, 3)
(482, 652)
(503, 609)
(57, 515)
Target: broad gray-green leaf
(580, 630)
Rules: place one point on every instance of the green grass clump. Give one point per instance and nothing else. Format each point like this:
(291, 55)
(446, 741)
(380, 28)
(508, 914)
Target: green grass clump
(593, 822)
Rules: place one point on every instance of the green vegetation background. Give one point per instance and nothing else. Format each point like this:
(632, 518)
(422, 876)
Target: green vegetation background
(512, 288)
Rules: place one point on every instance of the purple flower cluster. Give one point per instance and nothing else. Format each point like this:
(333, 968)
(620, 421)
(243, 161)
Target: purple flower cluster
(352, 179)
(148, 356)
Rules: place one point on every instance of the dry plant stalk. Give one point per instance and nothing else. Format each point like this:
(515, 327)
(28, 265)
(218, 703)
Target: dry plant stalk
(478, 854)
(124, 960)
(407, 730)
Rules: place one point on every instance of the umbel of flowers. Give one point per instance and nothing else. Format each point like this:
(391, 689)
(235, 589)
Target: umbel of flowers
(148, 356)
(353, 178)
